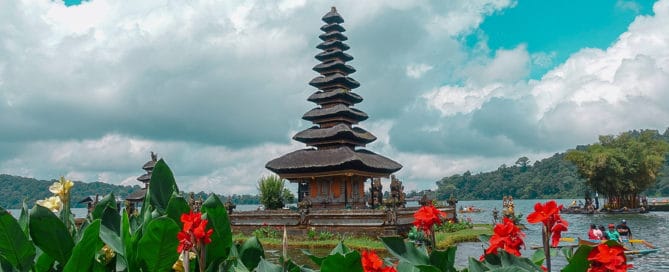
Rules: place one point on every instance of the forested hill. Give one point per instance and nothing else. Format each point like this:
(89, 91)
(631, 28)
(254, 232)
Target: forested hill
(549, 178)
(14, 189)
(552, 177)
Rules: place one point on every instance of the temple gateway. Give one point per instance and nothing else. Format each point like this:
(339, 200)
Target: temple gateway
(332, 173)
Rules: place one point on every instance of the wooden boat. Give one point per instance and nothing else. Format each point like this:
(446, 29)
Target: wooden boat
(659, 207)
(470, 209)
(650, 248)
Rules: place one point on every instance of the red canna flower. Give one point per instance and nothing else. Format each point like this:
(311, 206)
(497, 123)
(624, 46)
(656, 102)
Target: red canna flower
(194, 232)
(544, 213)
(556, 232)
(201, 233)
(506, 236)
(426, 217)
(185, 243)
(608, 258)
(373, 263)
(190, 219)
(549, 215)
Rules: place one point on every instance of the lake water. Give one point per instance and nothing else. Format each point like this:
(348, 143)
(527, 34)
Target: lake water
(650, 226)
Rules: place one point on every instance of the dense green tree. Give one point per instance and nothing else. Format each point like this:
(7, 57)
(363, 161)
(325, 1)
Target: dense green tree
(271, 192)
(622, 167)
(552, 177)
(14, 190)
(288, 196)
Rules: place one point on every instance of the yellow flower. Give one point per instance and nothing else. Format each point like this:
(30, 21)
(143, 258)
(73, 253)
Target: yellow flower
(179, 265)
(105, 255)
(61, 188)
(52, 203)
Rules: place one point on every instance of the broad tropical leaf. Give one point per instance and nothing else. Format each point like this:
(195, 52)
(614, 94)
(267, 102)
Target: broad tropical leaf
(83, 254)
(221, 239)
(161, 186)
(49, 234)
(251, 252)
(159, 244)
(15, 247)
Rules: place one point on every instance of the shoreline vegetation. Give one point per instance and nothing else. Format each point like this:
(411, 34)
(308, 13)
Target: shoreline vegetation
(444, 239)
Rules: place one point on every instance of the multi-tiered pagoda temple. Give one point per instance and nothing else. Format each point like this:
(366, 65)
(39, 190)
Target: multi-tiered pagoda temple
(332, 173)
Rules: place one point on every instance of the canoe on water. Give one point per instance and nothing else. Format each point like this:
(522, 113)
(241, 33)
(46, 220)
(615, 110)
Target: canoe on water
(650, 248)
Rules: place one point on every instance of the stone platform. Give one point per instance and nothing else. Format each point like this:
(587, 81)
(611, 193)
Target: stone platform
(352, 222)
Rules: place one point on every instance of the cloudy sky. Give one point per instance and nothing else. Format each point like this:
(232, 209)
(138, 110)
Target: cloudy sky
(217, 88)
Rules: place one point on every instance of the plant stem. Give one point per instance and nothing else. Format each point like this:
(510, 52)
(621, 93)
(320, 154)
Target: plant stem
(547, 251)
(185, 260)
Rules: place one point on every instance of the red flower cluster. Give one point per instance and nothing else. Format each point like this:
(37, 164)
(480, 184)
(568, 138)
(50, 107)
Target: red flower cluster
(194, 232)
(549, 215)
(604, 258)
(373, 263)
(426, 217)
(506, 236)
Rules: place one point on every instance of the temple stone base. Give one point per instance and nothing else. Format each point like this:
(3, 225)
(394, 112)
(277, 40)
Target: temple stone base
(353, 222)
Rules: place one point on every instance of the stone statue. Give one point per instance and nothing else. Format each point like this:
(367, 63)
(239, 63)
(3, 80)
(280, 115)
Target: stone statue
(397, 191)
(424, 201)
(376, 193)
(452, 201)
(229, 206)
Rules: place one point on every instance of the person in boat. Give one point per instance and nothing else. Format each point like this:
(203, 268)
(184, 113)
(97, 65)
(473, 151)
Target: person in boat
(624, 230)
(594, 233)
(613, 234)
(602, 230)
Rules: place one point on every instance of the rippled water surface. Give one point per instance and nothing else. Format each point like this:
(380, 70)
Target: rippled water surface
(651, 227)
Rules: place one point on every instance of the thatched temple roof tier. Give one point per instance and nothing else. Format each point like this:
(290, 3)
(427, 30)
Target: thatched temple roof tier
(333, 66)
(333, 34)
(338, 133)
(333, 17)
(334, 80)
(332, 27)
(334, 54)
(343, 95)
(339, 110)
(319, 162)
(333, 44)
(144, 178)
(149, 165)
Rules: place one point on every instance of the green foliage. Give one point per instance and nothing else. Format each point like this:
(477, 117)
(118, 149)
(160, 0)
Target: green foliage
(15, 247)
(271, 192)
(158, 245)
(14, 190)
(221, 239)
(557, 177)
(266, 232)
(83, 254)
(49, 233)
(549, 178)
(453, 227)
(622, 167)
(162, 185)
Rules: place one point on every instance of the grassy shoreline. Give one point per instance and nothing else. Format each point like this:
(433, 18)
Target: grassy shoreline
(444, 240)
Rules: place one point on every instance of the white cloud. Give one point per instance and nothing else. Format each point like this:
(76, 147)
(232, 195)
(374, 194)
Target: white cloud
(417, 70)
(593, 92)
(217, 88)
(463, 17)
